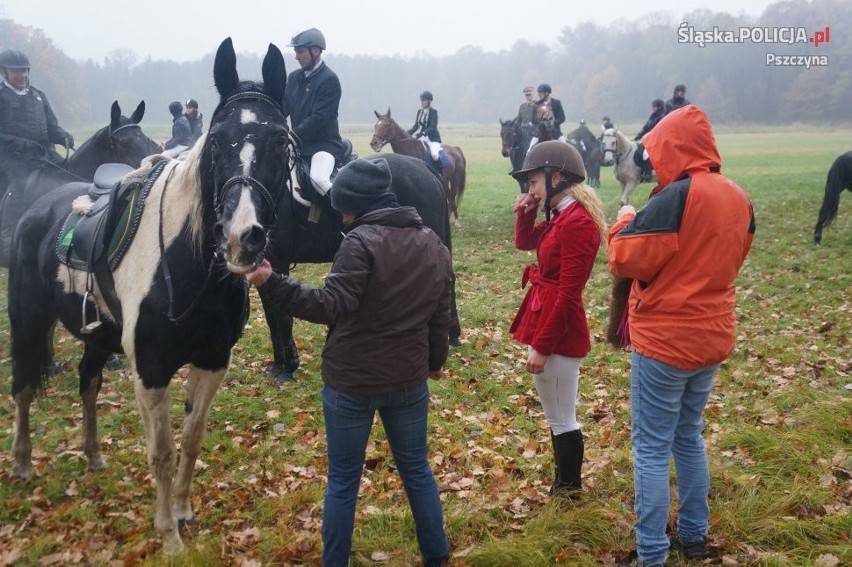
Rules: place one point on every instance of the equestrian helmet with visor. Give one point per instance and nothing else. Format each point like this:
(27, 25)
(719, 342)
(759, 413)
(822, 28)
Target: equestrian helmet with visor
(552, 154)
(426, 95)
(680, 88)
(192, 103)
(544, 88)
(14, 59)
(309, 38)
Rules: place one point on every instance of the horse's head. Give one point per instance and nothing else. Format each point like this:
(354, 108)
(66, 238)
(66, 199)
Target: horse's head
(383, 131)
(126, 141)
(508, 136)
(244, 158)
(121, 141)
(609, 141)
(544, 119)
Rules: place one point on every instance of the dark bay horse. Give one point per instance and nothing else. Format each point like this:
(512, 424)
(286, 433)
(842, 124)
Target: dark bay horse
(839, 178)
(177, 296)
(387, 131)
(296, 240)
(120, 141)
(590, 149)
(515, 141)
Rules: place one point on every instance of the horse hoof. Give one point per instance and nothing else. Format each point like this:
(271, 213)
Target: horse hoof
(281, 375)
(114, 362)
(172, 544)
(455, 342)
(22, 472)
(96, 465)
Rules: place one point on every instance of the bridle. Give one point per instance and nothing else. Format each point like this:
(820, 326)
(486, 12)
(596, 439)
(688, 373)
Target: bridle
(252, 183)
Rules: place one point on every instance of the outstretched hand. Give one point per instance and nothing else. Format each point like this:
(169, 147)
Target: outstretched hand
(260, 274)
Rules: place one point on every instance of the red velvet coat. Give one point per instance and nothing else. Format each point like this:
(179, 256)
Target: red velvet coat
(552, 318)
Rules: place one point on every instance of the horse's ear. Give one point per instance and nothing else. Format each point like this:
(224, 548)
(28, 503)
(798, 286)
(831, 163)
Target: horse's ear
(388, 115)
(376, 112)
(274, 73)
(115, 115)
(225, 69)
(137, 115)
(501, 120)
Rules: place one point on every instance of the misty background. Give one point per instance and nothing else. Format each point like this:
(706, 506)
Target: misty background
(594, 70)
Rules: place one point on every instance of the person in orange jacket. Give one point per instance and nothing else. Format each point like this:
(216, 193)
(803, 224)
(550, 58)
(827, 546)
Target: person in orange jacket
(551, 319)
(683, 251)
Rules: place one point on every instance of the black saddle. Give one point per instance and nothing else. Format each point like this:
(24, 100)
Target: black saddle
(638, 158)
(90, 238)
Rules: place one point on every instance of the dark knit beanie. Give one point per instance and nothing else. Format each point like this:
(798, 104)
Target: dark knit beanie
(176, 109)
(358, 183)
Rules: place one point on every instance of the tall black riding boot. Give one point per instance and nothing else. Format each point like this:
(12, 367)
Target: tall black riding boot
(568, 451)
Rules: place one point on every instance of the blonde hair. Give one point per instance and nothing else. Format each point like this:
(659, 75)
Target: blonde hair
(588, 197)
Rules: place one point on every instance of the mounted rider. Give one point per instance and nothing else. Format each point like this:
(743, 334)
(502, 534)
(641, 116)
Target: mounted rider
(657, 113)
(425, 127)
(195, 118)
(678, 99)
(311, 99)
(28, 127)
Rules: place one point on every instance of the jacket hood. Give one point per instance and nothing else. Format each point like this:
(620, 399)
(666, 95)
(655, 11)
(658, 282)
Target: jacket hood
(681, 144)
(396, 217)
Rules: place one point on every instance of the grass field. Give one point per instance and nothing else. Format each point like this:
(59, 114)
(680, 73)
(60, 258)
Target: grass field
(778, 426)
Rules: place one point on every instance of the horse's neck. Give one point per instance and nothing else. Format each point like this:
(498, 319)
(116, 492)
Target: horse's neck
(179, 202)
(623, 145)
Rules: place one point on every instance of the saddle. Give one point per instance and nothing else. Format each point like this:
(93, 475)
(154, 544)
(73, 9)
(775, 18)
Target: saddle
(104, 231)
(303, 174)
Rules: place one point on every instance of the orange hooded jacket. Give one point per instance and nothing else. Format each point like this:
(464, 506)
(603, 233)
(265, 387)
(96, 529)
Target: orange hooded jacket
(684, 248)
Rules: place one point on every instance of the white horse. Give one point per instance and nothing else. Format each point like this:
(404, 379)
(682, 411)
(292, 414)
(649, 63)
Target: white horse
(628, 174)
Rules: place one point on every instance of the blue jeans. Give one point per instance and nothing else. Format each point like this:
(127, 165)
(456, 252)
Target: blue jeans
(348, 421)
(666, 404)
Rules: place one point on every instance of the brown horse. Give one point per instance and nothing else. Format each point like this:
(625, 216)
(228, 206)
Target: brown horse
(387, 131)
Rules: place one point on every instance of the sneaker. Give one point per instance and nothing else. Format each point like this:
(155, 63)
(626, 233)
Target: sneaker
(691, 549)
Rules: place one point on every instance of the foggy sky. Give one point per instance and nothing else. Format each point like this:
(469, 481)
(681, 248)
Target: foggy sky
(186, 30)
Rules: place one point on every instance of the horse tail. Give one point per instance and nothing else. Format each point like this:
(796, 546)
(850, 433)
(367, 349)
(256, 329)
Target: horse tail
(831, 200)
(32, 322)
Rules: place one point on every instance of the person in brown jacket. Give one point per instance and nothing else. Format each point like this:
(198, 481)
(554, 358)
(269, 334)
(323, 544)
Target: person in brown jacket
(387, 304)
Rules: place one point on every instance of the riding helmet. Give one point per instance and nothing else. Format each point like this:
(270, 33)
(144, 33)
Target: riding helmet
(555, 154)
(309, 38)
(192, 103)
(680, 88)
(657, 103)
(426, 95)
(544, 88)
(14, 59)
(175, 108)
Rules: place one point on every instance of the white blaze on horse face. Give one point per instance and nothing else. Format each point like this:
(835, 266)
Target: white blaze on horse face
(247, 158)
(244, 218)
(248, 117)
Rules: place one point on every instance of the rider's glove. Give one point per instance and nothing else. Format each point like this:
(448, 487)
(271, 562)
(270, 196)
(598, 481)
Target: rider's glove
(68, 142)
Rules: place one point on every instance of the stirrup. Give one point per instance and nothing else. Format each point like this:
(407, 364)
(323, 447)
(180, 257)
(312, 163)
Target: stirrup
(89, 328)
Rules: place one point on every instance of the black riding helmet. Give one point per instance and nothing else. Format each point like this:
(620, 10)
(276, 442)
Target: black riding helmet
(14, 59)
(309, 38)
(544, 88)
(192, 103)
(426, 95)
(551, 156)
(175, 108)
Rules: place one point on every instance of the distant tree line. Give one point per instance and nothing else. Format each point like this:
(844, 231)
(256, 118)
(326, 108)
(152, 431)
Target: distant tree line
(594, 70)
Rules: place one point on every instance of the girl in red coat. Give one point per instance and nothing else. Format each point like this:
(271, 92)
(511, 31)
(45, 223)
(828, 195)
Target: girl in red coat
(551, 319)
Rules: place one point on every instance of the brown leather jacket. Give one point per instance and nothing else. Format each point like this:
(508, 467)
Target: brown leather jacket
(386, 300)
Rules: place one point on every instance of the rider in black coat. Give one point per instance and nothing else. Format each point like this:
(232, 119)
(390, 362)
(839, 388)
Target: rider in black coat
(312, 97)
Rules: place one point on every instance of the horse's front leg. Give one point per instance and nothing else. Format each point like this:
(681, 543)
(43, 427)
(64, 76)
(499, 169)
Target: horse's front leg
(626, 190)
(201, 386)
(285, 356)
(22, 447)
(154, 408)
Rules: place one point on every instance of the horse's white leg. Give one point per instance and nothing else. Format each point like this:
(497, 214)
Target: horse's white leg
(201, 386)
(22, 447)
(154, 408)
(91, 442)
(628, 188)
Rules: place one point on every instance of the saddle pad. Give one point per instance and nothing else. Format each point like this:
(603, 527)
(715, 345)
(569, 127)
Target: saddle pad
(127, 212)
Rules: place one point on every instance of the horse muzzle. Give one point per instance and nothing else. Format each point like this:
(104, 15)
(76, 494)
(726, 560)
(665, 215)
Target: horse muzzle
(242, 249)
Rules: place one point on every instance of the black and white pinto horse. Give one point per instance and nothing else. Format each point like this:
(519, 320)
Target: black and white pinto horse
(839, 178)
(296, 239)
(120, 141)
(515, 141)
(628, 174)
(178, 296)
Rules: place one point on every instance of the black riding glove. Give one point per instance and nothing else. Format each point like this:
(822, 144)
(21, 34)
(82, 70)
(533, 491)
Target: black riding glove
(68, 141)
